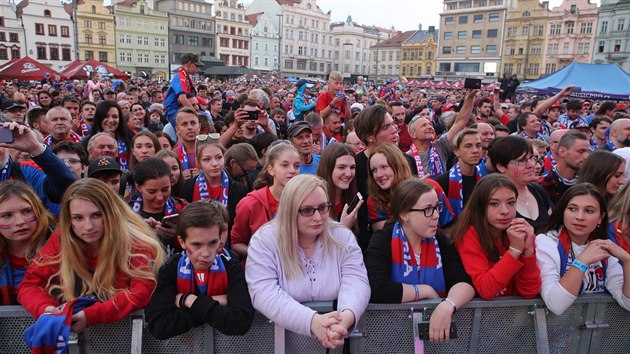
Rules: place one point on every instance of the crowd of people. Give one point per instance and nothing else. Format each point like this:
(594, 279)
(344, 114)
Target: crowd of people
(202, 201)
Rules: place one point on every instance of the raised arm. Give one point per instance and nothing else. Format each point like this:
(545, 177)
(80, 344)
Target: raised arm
(463, 116)
(544, 106)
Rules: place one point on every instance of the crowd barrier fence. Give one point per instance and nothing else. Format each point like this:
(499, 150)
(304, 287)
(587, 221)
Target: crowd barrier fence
(593, 324)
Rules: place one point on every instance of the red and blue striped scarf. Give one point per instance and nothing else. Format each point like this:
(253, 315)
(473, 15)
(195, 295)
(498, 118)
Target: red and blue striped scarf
(123, 156)
(212, 281)
(615, 233)
(405, 268)
(169, 207)
(456, 188)
(565, 249)
(202, 191)
(435, 162)
(51, 142)
(182, 155)
(548, 163)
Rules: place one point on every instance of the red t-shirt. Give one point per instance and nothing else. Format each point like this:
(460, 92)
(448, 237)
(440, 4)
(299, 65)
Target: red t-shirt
(273, 203)
(325, 98)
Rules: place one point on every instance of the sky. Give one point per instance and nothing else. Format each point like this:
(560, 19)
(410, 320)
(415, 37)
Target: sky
(405, 15)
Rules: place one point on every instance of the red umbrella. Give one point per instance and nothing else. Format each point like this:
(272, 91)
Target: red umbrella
(457, 85)
(26, 68)
(442, 85)
(427, 83)
(413, 83)
(82, 71)
(69, 67)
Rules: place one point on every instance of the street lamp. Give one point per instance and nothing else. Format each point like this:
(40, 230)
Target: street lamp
(529, 24)
(279, 41)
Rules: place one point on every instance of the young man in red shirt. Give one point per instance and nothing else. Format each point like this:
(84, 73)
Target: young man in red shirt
(334, 99)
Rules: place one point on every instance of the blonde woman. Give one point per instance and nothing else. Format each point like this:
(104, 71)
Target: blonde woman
(101, 249)
(303, 256)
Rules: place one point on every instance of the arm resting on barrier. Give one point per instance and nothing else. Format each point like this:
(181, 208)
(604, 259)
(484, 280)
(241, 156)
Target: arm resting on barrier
(557, 298)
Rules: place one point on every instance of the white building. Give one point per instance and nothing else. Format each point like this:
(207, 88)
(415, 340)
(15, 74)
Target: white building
(49, 32)
(11, 34)
(612, 41)
(265, 42)
(306, 49)
(233, 33)
(351, 48)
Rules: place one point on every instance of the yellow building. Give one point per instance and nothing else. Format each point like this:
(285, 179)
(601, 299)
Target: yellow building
(526, 28)
(419, 54)
(96, 32)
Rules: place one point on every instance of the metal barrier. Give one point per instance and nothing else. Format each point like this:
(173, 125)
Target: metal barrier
(594, 324)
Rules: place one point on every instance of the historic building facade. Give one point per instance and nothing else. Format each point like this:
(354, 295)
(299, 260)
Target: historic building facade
(233, 33)
(96, 31)
(352, 55)
(12, 41)
(419, 54)
(387, 56)
(612, 40)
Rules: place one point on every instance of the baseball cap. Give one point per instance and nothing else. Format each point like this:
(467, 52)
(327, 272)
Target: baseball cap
(356, 106)
(103, 164)
(448, 107)
(304, 82)
(296, 128)
(191, 58)
(10, 104)
(389, 81)
(109, 90)
(229, 94)
(621, 106)
(578, 124)
(505, 105)
(439, 98)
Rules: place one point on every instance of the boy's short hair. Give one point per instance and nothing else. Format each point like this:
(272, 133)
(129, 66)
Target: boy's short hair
(203, 214)
(72, 148)
(335, 75)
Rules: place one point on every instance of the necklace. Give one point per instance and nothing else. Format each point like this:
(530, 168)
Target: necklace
(526, 203)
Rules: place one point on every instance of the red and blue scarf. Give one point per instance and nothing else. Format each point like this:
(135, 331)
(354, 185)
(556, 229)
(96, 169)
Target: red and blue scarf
(202, 191)
(615, 233)
(10, 278)
(212, 281)
(405, 268)
(180, 150)
(51, 142)
(5, 175)
(565, 249)
(456, 188)
(549, 163)
(538, 136)
(123, 156)
(435, 162)
(169, 207)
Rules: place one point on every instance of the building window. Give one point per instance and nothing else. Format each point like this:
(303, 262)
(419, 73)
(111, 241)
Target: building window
(493, 17)
(39, 29)
(46, 13)
(54, 53)
(535, 50)
(570, 27)
(476, 34)
(491, 49)
(102, 40)
(467, 67)
(621, 23)
(178, 39)
(89, 55)
(1, 21)
(65, 54)
(554, 30)
(193, 41)
(87, 24)
(565, 48)
(41, 52)
(311, 66)
(13, 37)
(3, 37)
(475, 49)
(511, 32)
(508, 68)
(93, 9)
(539, 30)
(461, 35)
(549, 68)
(52, 30)
(88, 38)
(448, 20)
(446, 50)
(448, 35)
(617, 45)
(65, 31)
(101, 25)
(15, 53)
(463, 20)
(477, 18)
(3, 54)
(492, 33)
(121, 56)
(460, 49)
(600, 47)
(525, 31)
(288, 64)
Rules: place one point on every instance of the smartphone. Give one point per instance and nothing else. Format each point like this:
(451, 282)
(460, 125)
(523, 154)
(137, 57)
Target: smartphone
(470, 83)
(339, 94)
(6, 135)
(354, 202)
(170, 220)
(252, 115)
(423, 331)
(575, 89)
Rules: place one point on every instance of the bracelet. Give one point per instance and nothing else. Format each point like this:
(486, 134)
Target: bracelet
(516, 250)
(582, 267)
(417, 290)
(44, 146)
(450, 302)
(331, 105)
(182, 300)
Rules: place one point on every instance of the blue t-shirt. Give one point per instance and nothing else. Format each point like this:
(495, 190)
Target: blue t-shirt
(312, 168)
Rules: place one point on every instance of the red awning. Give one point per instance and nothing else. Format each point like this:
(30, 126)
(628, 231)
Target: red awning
(83, 70)
(26, 68)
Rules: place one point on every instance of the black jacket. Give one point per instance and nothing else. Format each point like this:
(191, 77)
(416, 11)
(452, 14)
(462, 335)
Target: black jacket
(165, 320)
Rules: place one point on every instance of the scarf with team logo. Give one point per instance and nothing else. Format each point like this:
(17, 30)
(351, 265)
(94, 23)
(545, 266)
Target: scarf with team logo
(202, 190)
(456, 187)
(123, 155)
(212, 281)
(565, 249)
(436, 165)
(405, 268)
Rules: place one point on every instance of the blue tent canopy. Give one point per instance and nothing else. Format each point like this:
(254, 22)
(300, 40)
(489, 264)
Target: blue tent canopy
(598, 81)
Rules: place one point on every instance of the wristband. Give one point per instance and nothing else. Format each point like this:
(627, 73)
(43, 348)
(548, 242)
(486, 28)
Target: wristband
(331, 105)
(417, 290)
(516, 250)
(182, 300)
(579, 265)
(450, 302)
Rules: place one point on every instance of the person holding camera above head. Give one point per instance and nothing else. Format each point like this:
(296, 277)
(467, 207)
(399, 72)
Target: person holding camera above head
(334, 99)
(410, 259)
(199, 285)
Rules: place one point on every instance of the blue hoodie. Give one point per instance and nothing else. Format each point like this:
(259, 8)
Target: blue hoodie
(302, 104)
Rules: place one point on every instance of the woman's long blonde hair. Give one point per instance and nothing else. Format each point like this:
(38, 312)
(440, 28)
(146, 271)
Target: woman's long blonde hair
(294, 193)
(19, 189)
(125, 237)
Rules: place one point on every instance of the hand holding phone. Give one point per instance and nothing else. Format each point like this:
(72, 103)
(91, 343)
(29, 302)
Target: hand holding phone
(353, 204)
(170, 220)
(6, 135)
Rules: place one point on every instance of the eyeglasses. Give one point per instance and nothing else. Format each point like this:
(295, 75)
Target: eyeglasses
(523, 160)
(310, 211)
(212, 136)
(71, 161)
(429, 211)
(245, 171)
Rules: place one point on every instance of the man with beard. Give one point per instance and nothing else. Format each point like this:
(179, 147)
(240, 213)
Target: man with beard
(460, 181)
(484, 109)
(573, 150)
(619, 135)
(60, 124)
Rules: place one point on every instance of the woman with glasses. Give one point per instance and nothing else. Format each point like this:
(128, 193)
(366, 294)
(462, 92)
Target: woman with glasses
(303, 256)
(575, 255)
(261, 204)
(240, 161)
(496, 247)
(213, 182)
(388, 167)
(410, 260)
(514, 157)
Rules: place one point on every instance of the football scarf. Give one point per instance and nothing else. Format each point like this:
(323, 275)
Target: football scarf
(5, 175)
(435, 163)
(169, 207)
(615, 233)
(456, 188)
(212, 281)
(123, 157)
(565, 249)
(201, 189)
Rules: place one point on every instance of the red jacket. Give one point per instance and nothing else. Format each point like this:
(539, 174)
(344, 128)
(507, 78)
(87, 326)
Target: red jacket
(507, 277)
(34, 296)
(252, 212)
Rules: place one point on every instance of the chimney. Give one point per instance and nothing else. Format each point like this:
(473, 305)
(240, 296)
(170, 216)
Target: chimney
(431, 29)
(545, 4)
(420, 27)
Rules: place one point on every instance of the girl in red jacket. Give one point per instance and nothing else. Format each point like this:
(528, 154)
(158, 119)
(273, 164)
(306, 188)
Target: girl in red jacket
(496, 248)
(24, 227)
(260, 205)
(101, 249)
